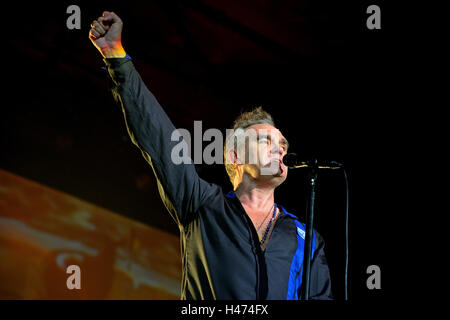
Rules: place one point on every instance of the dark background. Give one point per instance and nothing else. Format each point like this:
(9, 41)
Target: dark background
(328, 81)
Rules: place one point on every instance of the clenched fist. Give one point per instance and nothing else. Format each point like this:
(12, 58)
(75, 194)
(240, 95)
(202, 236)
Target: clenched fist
(106, 35)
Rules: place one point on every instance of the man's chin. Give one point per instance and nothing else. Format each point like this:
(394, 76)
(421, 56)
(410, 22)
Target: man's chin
(281, 172)
(273, 173)
(282, 176)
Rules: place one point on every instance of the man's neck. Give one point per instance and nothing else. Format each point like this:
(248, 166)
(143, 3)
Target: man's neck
(254, 198)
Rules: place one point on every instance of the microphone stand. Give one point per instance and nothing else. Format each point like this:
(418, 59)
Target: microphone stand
(312, 177)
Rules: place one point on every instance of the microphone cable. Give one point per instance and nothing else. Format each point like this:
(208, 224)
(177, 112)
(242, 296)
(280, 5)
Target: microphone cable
(346, 236)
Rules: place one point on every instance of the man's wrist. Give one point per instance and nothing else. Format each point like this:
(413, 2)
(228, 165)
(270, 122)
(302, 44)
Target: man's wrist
(114, 53)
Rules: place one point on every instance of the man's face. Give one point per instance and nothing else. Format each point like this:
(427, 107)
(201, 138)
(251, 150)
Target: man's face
(266, 151)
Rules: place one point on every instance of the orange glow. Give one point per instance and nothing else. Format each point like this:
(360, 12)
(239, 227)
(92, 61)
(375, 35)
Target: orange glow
(43, 231)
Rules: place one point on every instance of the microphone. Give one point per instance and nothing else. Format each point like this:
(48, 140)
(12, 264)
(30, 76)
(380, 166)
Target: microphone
(292, 161)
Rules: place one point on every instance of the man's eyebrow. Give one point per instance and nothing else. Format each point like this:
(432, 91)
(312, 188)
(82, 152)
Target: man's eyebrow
(263, 136)
(268, 136)
(285, 142)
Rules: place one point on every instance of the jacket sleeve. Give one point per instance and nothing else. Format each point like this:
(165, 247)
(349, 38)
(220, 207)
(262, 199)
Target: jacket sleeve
(320, 282)
(181, 189)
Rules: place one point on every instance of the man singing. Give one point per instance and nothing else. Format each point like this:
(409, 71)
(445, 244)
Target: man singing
(241, 245)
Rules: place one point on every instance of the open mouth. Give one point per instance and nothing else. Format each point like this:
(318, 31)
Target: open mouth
(274, 168)
(280, 169)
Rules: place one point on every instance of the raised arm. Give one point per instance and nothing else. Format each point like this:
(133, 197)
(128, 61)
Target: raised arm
(149, 127)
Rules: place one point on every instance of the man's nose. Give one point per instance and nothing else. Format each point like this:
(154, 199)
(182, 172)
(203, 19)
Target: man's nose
(276, 149)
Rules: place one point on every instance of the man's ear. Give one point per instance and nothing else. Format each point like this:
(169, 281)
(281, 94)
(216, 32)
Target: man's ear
(232, 156)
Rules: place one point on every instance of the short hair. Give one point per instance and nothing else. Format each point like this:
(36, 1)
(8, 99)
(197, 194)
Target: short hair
(246, 119)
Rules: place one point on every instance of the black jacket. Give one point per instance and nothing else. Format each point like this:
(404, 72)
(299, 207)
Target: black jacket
(221, 255)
